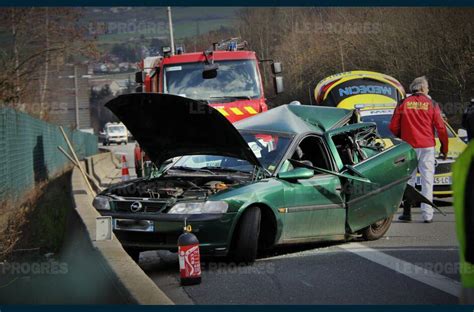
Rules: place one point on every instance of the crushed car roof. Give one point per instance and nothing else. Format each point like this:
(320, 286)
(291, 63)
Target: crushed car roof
(167, 125)
(296, 119)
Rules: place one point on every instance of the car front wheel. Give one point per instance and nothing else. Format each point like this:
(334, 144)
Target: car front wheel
(377, 229)
(246, 243)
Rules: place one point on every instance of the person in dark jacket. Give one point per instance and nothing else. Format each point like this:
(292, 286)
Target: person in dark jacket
(415, 121)
(468, 120)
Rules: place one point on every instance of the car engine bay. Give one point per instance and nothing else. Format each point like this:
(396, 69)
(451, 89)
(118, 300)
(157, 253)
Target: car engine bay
(172, 187)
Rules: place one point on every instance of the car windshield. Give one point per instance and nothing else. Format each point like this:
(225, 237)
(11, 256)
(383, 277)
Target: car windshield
(268, 148)
(235, 79)
(116, 129)
(383, 121)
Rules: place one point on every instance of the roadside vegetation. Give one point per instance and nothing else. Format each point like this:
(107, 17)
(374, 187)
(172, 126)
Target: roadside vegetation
(36, 226)
(405, 43)
(36, 43)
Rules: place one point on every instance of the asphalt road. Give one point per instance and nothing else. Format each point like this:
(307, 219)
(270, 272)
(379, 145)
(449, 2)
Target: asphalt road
(415, 263)
(126, 150)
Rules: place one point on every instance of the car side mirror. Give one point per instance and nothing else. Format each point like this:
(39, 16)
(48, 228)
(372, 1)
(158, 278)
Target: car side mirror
(296, 174)
(278, 84)
(276, 68)
(210, 71)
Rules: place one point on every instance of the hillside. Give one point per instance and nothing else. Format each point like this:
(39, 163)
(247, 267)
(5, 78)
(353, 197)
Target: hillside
(137, 25)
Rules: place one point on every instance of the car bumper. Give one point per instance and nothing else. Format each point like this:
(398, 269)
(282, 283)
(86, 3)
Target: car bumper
(117, 139)
(212, 231)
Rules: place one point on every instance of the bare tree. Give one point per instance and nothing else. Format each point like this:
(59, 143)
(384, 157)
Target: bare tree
(316, 42)
(37, 38)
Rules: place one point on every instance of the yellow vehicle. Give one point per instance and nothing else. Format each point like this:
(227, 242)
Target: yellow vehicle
(347, 89)
(360, 90)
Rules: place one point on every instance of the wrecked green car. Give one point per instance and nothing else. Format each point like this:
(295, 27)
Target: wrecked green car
(293, 174)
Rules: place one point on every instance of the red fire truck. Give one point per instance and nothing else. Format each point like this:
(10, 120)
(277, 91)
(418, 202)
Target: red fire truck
(226, 76)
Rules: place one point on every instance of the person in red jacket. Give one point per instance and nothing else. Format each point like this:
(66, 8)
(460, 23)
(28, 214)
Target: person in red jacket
(415, 121)
(138, 157)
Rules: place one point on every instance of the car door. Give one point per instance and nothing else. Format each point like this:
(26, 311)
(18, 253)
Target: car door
(314, 206)
(387, 169)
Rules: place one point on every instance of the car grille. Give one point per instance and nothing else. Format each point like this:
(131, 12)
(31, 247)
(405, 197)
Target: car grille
(442, 188)
(129, 238)
(443, 168)
(437, 188)
(147, 207)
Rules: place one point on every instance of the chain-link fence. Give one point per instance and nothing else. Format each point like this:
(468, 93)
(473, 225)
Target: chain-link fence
(29, 153)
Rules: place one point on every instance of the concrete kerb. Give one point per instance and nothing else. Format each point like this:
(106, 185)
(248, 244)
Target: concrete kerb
(122, 270)
(114, 157)
(103, 168)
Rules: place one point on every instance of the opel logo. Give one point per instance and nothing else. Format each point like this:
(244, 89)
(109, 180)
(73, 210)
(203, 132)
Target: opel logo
(436, 163)
(136, 206)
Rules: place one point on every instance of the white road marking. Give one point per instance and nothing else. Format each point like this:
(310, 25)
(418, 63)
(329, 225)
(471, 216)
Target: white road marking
(408, 269)
(299, 254)
(332, 249)
(418, 249)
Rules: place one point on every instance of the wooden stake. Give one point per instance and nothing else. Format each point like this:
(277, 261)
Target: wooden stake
(77, 165)
(77, 161)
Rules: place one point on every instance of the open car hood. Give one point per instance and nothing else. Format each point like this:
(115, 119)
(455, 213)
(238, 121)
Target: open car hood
(168, 126)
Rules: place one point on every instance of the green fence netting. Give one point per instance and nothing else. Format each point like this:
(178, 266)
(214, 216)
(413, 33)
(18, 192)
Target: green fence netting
(29, 153)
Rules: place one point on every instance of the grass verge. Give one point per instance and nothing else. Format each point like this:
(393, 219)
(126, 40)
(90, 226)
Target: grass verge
(35, 225)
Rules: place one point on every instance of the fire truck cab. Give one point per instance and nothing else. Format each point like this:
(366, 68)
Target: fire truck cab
(227, 77)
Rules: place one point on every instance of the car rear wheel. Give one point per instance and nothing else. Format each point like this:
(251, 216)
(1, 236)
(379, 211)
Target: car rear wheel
(377, 229)
(246, 243)
(133, 253)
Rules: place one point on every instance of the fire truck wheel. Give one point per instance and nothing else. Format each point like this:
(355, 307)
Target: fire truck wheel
(376, 230)
(133, 253)
(246, 243)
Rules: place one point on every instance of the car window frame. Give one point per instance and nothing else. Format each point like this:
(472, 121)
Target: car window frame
(296, 142)
(349, 128)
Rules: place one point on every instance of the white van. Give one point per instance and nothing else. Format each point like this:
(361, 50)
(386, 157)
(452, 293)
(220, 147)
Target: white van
(115, 132)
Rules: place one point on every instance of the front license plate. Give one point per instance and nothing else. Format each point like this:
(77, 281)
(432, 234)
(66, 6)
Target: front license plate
(134, 225)
(442, 181)
(437, 180)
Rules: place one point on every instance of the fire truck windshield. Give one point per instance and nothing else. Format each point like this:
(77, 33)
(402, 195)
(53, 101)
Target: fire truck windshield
(236, 79)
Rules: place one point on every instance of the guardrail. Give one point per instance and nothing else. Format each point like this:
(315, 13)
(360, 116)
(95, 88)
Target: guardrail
(120, 268)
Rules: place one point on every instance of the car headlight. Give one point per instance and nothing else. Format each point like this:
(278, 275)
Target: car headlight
(199, 207)
(101, 203)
